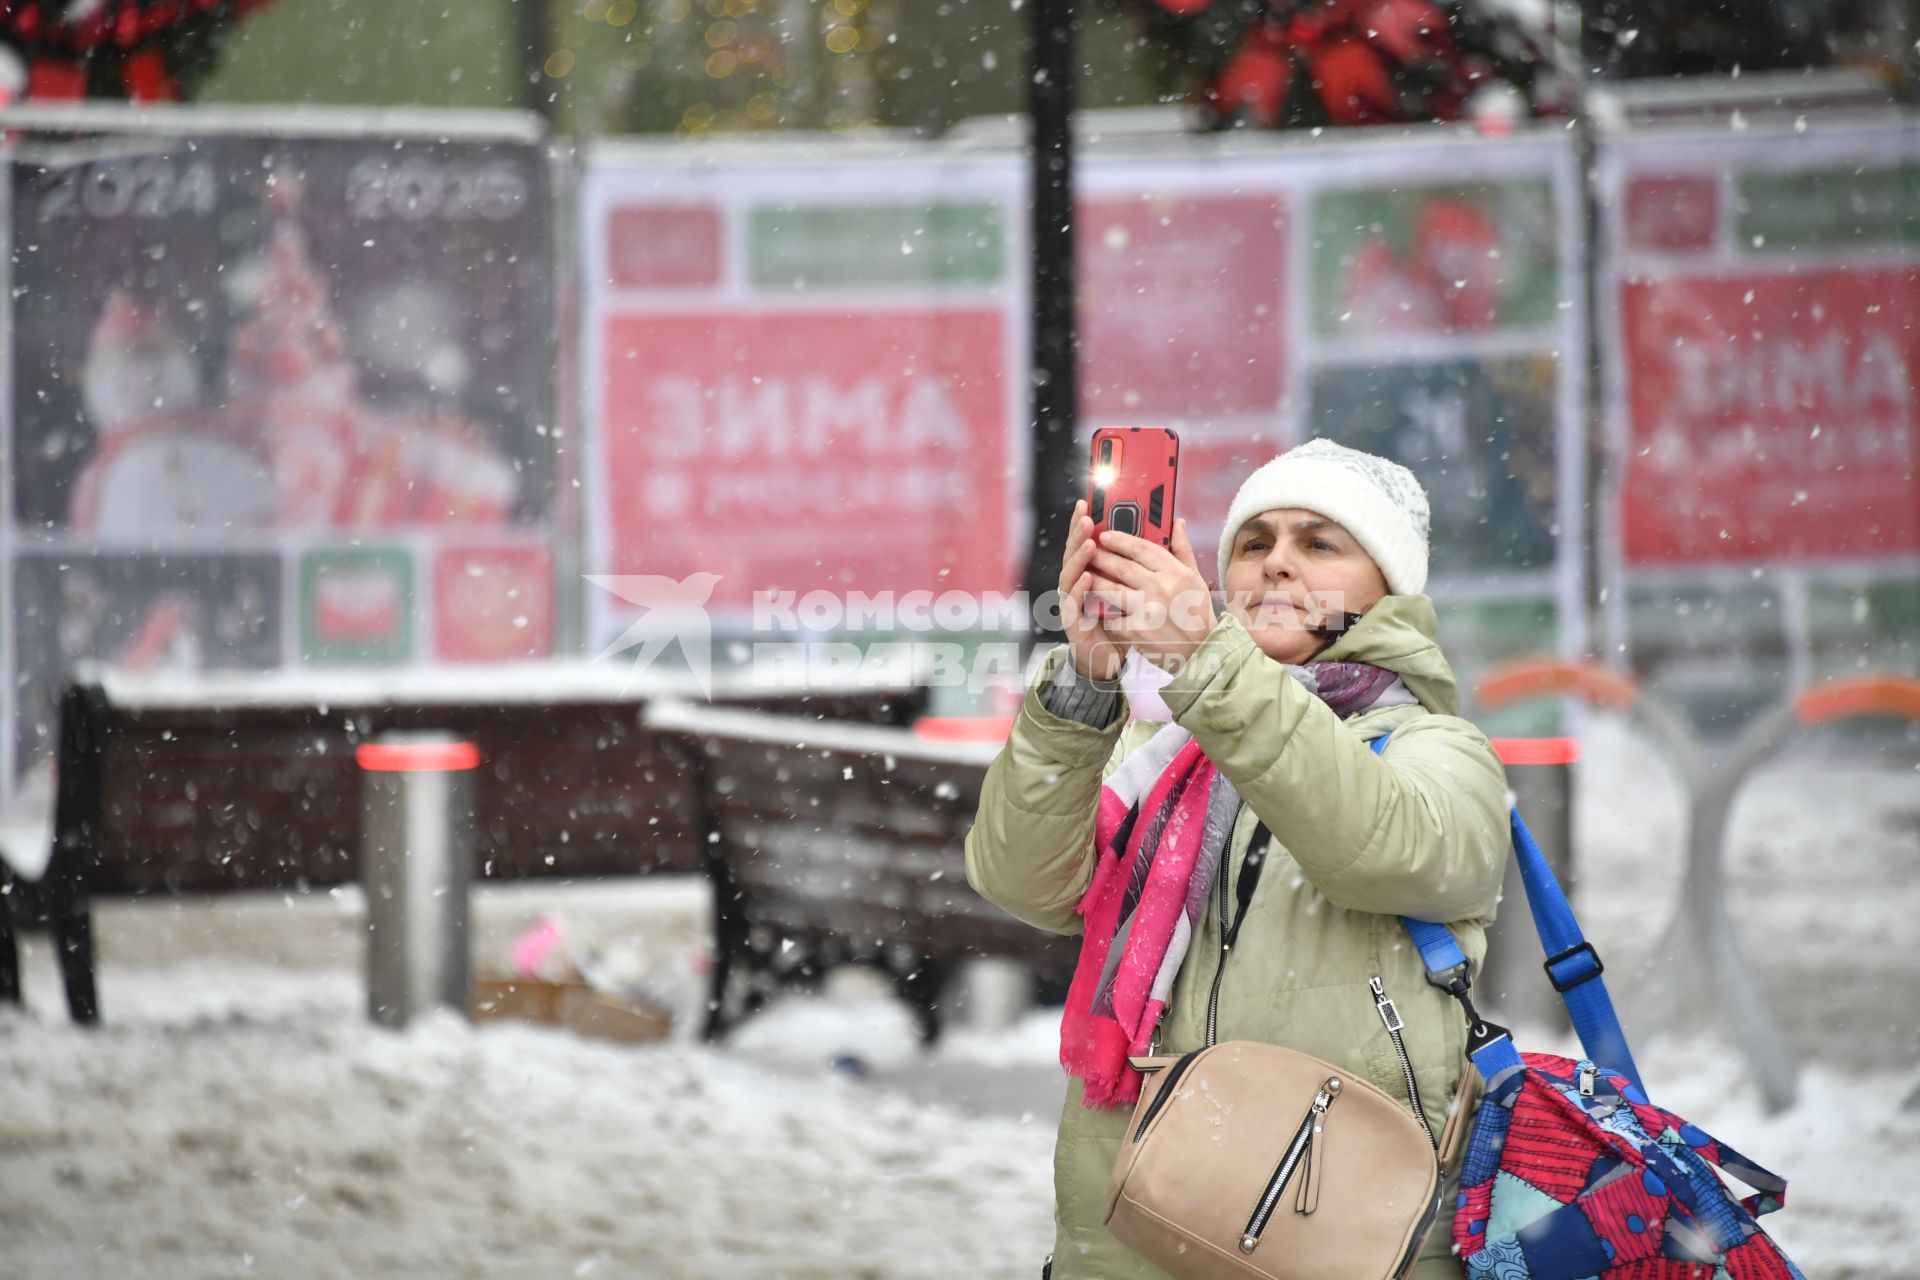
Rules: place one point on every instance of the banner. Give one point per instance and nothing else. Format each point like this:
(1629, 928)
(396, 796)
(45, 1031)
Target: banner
(135, 612)
(881, 436)
(237, 336)
(1491, 471)
(807, 378)
(1763, 343)
(1183, 304)
(1417, 299)
(803, 380)
(1772, 416)
(244, 350)
(1436, 258)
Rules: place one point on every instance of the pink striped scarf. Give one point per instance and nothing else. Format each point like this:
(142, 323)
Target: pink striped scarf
(1160, 836)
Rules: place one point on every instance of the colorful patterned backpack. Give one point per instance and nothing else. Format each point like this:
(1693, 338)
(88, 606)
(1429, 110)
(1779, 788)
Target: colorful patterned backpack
(1570, 1171)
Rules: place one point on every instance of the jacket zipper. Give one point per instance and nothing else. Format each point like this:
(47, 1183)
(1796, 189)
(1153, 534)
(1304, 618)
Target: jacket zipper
(1213, 1001)
(1161, 1098)
(1296, 1150)
(1390, 1016)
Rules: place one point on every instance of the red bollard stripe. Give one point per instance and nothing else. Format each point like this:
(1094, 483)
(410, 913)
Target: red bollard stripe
(416, 757)
(1537, 750)
(963, 728)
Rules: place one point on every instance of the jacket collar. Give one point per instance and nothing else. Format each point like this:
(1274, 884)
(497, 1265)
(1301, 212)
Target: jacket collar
(1398, 634)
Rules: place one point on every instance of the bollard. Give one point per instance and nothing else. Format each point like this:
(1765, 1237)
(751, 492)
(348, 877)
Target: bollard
(995, 993)
(1540, 771)
(416, 857)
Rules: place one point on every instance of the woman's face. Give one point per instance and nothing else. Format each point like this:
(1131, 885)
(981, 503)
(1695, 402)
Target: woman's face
(1293, 571)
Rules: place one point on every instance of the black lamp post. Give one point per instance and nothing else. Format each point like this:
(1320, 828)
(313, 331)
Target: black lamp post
(1053, 373)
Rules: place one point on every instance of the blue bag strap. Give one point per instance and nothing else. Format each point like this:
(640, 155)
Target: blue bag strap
(1573, 967)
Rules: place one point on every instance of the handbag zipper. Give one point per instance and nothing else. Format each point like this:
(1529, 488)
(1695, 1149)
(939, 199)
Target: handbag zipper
(1390, 1016)
(1290, 1161)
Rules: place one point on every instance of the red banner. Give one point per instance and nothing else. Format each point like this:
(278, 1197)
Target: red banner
(812, 450)
(1772, 416)
(1182, 303)
(665, 247)
(493, 603)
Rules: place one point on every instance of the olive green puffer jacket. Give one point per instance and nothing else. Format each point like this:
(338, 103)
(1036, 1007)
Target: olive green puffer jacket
(1358, 840)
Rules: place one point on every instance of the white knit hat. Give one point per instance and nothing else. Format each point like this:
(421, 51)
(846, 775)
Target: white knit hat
(1379, 502)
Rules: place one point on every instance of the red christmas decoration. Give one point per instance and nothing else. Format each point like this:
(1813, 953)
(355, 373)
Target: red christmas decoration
(1278, 63)
(139, 49)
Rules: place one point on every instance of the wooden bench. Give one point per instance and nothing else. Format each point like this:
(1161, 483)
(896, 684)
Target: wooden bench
(243, 781)
(835, 843)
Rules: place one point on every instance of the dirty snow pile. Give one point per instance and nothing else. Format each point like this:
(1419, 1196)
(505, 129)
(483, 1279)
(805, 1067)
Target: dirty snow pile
(270, 1131)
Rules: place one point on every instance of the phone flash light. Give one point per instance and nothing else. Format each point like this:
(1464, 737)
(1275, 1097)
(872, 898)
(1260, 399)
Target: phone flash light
(1103, 476)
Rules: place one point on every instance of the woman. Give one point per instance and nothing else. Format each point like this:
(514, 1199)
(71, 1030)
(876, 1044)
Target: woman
(1326, 644)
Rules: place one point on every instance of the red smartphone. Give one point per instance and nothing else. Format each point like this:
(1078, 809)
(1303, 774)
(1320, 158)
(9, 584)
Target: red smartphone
(1130, 486)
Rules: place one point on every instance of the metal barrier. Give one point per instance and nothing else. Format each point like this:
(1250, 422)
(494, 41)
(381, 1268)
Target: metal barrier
(1542, 786)
(1700, 946)
(1597, 687)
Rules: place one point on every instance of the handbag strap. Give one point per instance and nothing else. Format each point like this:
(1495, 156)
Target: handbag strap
(1573, 966)
(1770, 1189)
(1252, 863)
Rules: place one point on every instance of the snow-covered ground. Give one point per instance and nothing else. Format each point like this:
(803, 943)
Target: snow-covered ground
(235, 1115)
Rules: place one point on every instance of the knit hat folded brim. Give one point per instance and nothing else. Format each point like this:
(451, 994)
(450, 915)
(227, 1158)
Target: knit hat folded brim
(1378, 501)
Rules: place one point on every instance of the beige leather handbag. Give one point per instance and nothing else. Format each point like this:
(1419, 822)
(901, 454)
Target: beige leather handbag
(1248, 1160)
(1251, 1160)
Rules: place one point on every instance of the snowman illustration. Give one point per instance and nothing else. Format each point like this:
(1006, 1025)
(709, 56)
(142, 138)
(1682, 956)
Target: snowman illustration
(163, 462)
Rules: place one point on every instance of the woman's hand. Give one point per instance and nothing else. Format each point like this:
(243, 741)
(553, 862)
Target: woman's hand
(1167, 607)
(1097, 651)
